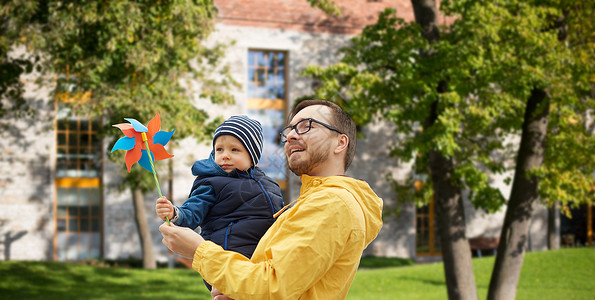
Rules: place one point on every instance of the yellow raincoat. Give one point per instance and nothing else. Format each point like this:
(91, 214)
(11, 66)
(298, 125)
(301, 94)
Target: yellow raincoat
(312, 251)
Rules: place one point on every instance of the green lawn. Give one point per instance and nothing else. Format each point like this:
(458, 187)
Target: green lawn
(562, 274)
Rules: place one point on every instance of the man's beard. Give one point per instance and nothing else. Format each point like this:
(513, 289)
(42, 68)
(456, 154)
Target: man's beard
(301, 167)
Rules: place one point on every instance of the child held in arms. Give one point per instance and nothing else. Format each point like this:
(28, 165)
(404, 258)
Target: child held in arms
(232, 200)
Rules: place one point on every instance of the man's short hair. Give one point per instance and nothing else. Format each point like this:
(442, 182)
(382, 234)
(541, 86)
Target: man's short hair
(339, 119)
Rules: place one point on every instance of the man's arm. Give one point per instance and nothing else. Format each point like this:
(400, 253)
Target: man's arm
(290, 259)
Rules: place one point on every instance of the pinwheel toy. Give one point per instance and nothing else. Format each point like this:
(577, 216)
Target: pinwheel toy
(144, 144)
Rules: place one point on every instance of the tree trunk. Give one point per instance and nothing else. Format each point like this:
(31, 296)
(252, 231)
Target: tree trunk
(450, 213)
(514, 235)
(553, 227)
(149, 261)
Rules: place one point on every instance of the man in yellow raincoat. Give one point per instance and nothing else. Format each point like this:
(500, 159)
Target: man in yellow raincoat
(312, 251)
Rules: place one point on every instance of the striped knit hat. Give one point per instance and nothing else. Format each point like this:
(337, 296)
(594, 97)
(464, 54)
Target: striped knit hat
(248, 131)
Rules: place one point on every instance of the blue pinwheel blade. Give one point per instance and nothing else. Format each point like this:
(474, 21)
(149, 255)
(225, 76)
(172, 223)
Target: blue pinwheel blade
(138, 126)
(162, 137)
(124, 143)
(145, 162)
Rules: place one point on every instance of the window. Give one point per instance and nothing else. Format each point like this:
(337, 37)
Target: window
(78, 220)
(78, 183)
(267, 103)
(77, 148)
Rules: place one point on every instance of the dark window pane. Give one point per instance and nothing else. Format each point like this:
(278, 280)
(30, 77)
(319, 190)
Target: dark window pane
(61, 138)
(280, 59)
(85, 139)
(260, 73)
(271, 61)
(61, 225)
(84, 224)
(73, 211)
(280, 92)
(62, 124)
(72, 140)
(73, 124)
(95, 225)
(95, 211)
(72, 226)
(84, 125)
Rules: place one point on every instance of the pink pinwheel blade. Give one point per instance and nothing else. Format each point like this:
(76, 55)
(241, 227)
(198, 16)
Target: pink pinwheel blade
(127, 129)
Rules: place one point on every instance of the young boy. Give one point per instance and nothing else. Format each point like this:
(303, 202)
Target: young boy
(232, 200)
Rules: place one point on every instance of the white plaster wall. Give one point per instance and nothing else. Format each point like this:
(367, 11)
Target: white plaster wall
(482, 224)
(372, 164)
(26, 180)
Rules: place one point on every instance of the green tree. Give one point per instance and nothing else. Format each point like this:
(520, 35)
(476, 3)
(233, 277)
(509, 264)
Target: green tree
(133, 58)
(460, 94)
(13, 21)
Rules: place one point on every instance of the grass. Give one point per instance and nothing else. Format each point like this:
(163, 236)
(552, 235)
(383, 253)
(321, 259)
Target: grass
(53, 280)
(561, 274)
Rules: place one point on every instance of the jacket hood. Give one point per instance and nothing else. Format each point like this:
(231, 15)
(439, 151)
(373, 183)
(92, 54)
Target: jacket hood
(208, 167)
(369, 202)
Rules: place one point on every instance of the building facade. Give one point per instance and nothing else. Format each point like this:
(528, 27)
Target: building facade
(58, 194)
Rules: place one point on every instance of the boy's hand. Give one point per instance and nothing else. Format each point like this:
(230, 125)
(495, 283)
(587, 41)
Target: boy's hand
(164, 208)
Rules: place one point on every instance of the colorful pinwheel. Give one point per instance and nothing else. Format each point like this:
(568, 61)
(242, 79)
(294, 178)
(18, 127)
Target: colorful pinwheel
(139, 138)
(144, 145)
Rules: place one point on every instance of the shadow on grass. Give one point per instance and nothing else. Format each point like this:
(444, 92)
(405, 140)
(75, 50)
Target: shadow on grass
(373, 262)
(52, 280)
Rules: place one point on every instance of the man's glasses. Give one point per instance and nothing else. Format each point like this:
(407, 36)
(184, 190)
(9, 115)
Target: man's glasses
(302, 127)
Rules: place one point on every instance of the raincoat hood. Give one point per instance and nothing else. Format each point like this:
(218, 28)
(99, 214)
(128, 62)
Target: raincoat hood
(368, 201)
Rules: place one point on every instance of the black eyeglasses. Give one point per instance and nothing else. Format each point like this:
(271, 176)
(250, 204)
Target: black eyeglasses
(302, 127)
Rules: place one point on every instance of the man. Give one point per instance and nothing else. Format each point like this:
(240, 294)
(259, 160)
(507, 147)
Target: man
(313, 249)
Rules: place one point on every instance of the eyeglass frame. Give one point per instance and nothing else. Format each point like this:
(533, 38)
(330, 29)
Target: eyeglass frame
(294, 127)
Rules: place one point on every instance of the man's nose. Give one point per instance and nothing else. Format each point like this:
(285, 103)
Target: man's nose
(292, 135)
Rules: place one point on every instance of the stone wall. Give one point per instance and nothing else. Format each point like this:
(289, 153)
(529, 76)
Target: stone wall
(27, 177)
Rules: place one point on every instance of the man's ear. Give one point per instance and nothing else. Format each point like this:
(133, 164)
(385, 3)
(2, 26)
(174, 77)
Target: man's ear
(342, 144)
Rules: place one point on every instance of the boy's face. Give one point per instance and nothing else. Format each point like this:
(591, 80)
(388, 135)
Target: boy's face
(230, 154)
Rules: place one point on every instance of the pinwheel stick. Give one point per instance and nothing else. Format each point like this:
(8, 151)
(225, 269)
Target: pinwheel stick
(144, 135)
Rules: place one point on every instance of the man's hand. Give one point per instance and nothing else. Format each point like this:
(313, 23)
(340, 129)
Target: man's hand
(181, 240)
(217, 295)
(164, 208)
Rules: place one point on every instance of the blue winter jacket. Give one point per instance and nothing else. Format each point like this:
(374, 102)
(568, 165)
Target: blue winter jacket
(234, 209)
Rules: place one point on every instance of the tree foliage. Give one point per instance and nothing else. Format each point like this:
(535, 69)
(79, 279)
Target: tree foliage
(492, 55)
(117, 59)
(328, 6)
